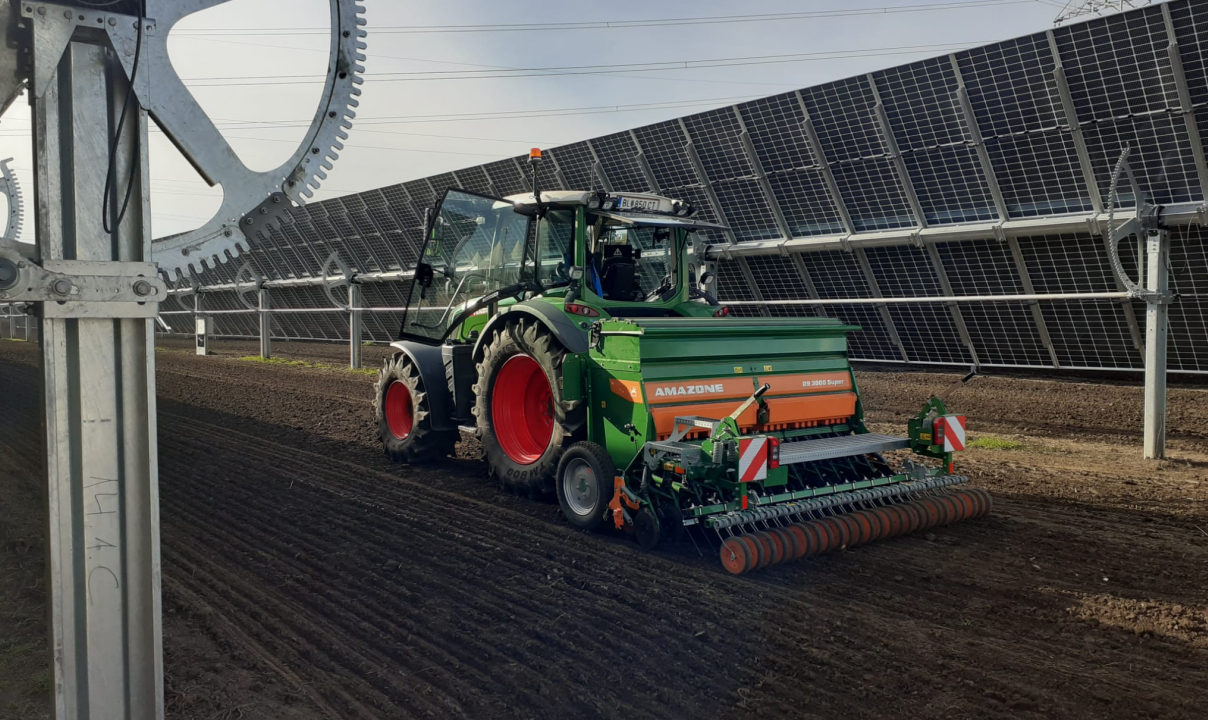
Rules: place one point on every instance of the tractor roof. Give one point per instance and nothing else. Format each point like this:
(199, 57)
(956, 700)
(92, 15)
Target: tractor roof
(640, 202)
(635, 209)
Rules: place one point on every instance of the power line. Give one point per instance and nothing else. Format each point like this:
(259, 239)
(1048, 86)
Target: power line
(377, 56)
(619, 24)
(444, 75)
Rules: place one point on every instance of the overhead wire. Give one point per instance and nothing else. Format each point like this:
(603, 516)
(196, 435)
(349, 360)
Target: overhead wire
(623, 24)
(561, 71)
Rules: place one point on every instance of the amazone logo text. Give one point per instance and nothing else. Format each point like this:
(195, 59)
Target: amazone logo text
(688, 390)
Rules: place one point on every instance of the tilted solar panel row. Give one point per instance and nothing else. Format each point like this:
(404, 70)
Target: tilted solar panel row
(1025, 128)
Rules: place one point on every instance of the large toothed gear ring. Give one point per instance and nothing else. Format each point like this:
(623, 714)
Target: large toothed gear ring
(251, 200)
(11, 190)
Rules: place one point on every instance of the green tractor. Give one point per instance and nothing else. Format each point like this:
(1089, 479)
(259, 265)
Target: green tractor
(576, 335)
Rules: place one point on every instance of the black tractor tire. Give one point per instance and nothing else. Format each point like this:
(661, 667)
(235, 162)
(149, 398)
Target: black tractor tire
(525, 337)
(421, 443)
(585, 507)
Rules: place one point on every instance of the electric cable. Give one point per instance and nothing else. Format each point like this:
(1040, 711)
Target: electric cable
(111, 174)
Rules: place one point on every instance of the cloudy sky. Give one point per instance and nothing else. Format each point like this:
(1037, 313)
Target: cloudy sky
(461, 82)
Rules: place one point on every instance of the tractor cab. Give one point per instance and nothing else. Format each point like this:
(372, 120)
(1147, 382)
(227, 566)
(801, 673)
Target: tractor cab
(596, 254)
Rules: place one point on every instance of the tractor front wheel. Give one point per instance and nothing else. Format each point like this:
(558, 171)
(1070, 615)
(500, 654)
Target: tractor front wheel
(403, 419)
(523, 423)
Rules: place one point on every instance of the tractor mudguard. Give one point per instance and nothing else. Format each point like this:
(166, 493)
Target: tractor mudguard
(566, 330)
(431, 365)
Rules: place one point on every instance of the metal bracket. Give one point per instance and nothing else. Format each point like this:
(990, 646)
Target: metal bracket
(1000, 233)
(76, 288)
(267, 213)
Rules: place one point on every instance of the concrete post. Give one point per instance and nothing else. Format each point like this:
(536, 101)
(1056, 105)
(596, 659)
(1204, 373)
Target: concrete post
(1157, 282)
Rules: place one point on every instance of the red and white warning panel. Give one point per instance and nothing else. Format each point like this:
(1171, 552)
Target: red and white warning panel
(752, 459)
(950, 432)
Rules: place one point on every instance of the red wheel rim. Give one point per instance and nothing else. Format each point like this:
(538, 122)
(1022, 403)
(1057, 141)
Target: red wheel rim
(522, 409)
(400, 415)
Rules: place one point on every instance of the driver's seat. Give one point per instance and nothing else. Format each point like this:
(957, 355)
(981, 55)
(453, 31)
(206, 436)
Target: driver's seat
(618, 277)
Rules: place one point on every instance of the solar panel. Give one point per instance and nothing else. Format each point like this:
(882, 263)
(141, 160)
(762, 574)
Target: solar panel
(1022, 131)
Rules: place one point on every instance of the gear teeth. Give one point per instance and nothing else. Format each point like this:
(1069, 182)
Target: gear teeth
(16, 208)
(325, 140)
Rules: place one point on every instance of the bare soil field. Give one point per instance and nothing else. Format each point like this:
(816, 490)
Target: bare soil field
(305, 576)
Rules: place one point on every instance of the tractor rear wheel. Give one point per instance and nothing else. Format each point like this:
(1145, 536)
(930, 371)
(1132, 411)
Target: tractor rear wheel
(523, 422)
(403, 419)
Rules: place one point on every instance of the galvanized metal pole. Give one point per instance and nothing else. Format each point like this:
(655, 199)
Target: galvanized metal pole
(1158, 285)
(266, 324)
(98, 364)
(354, 325)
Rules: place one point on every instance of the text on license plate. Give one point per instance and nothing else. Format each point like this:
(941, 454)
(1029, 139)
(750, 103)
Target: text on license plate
(628, 203)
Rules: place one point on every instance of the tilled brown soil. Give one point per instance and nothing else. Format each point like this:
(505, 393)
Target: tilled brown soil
(307, 577)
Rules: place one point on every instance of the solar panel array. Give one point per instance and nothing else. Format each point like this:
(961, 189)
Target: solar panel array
(1023, 129)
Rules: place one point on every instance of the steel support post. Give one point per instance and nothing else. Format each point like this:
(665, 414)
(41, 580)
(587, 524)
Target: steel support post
(1157, 283)
(98, 364)
(355, 302)
(266, 323)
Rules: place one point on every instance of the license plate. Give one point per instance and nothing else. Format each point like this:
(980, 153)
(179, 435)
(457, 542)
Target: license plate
(627, 203)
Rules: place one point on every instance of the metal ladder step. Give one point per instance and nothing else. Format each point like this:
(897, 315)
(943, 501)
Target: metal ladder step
(834, 447)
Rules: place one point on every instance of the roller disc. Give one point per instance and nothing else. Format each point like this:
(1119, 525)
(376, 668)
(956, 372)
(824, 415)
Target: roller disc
(879, 527)
(791, 550)
(864, 527)
(914, 516)
(967, 504)
(942, 508)
(829, 533)
(955, 513)
(780, 552)
(985, 501)
(842, 534)
(735, 557)
(815, 539)
(931, 513)
(768, 556)
(803, 539)
(893, 522)
(853, 529)
(906, 520)
(754, 551)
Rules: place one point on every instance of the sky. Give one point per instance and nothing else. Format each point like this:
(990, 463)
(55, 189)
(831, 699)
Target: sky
(258, 73)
